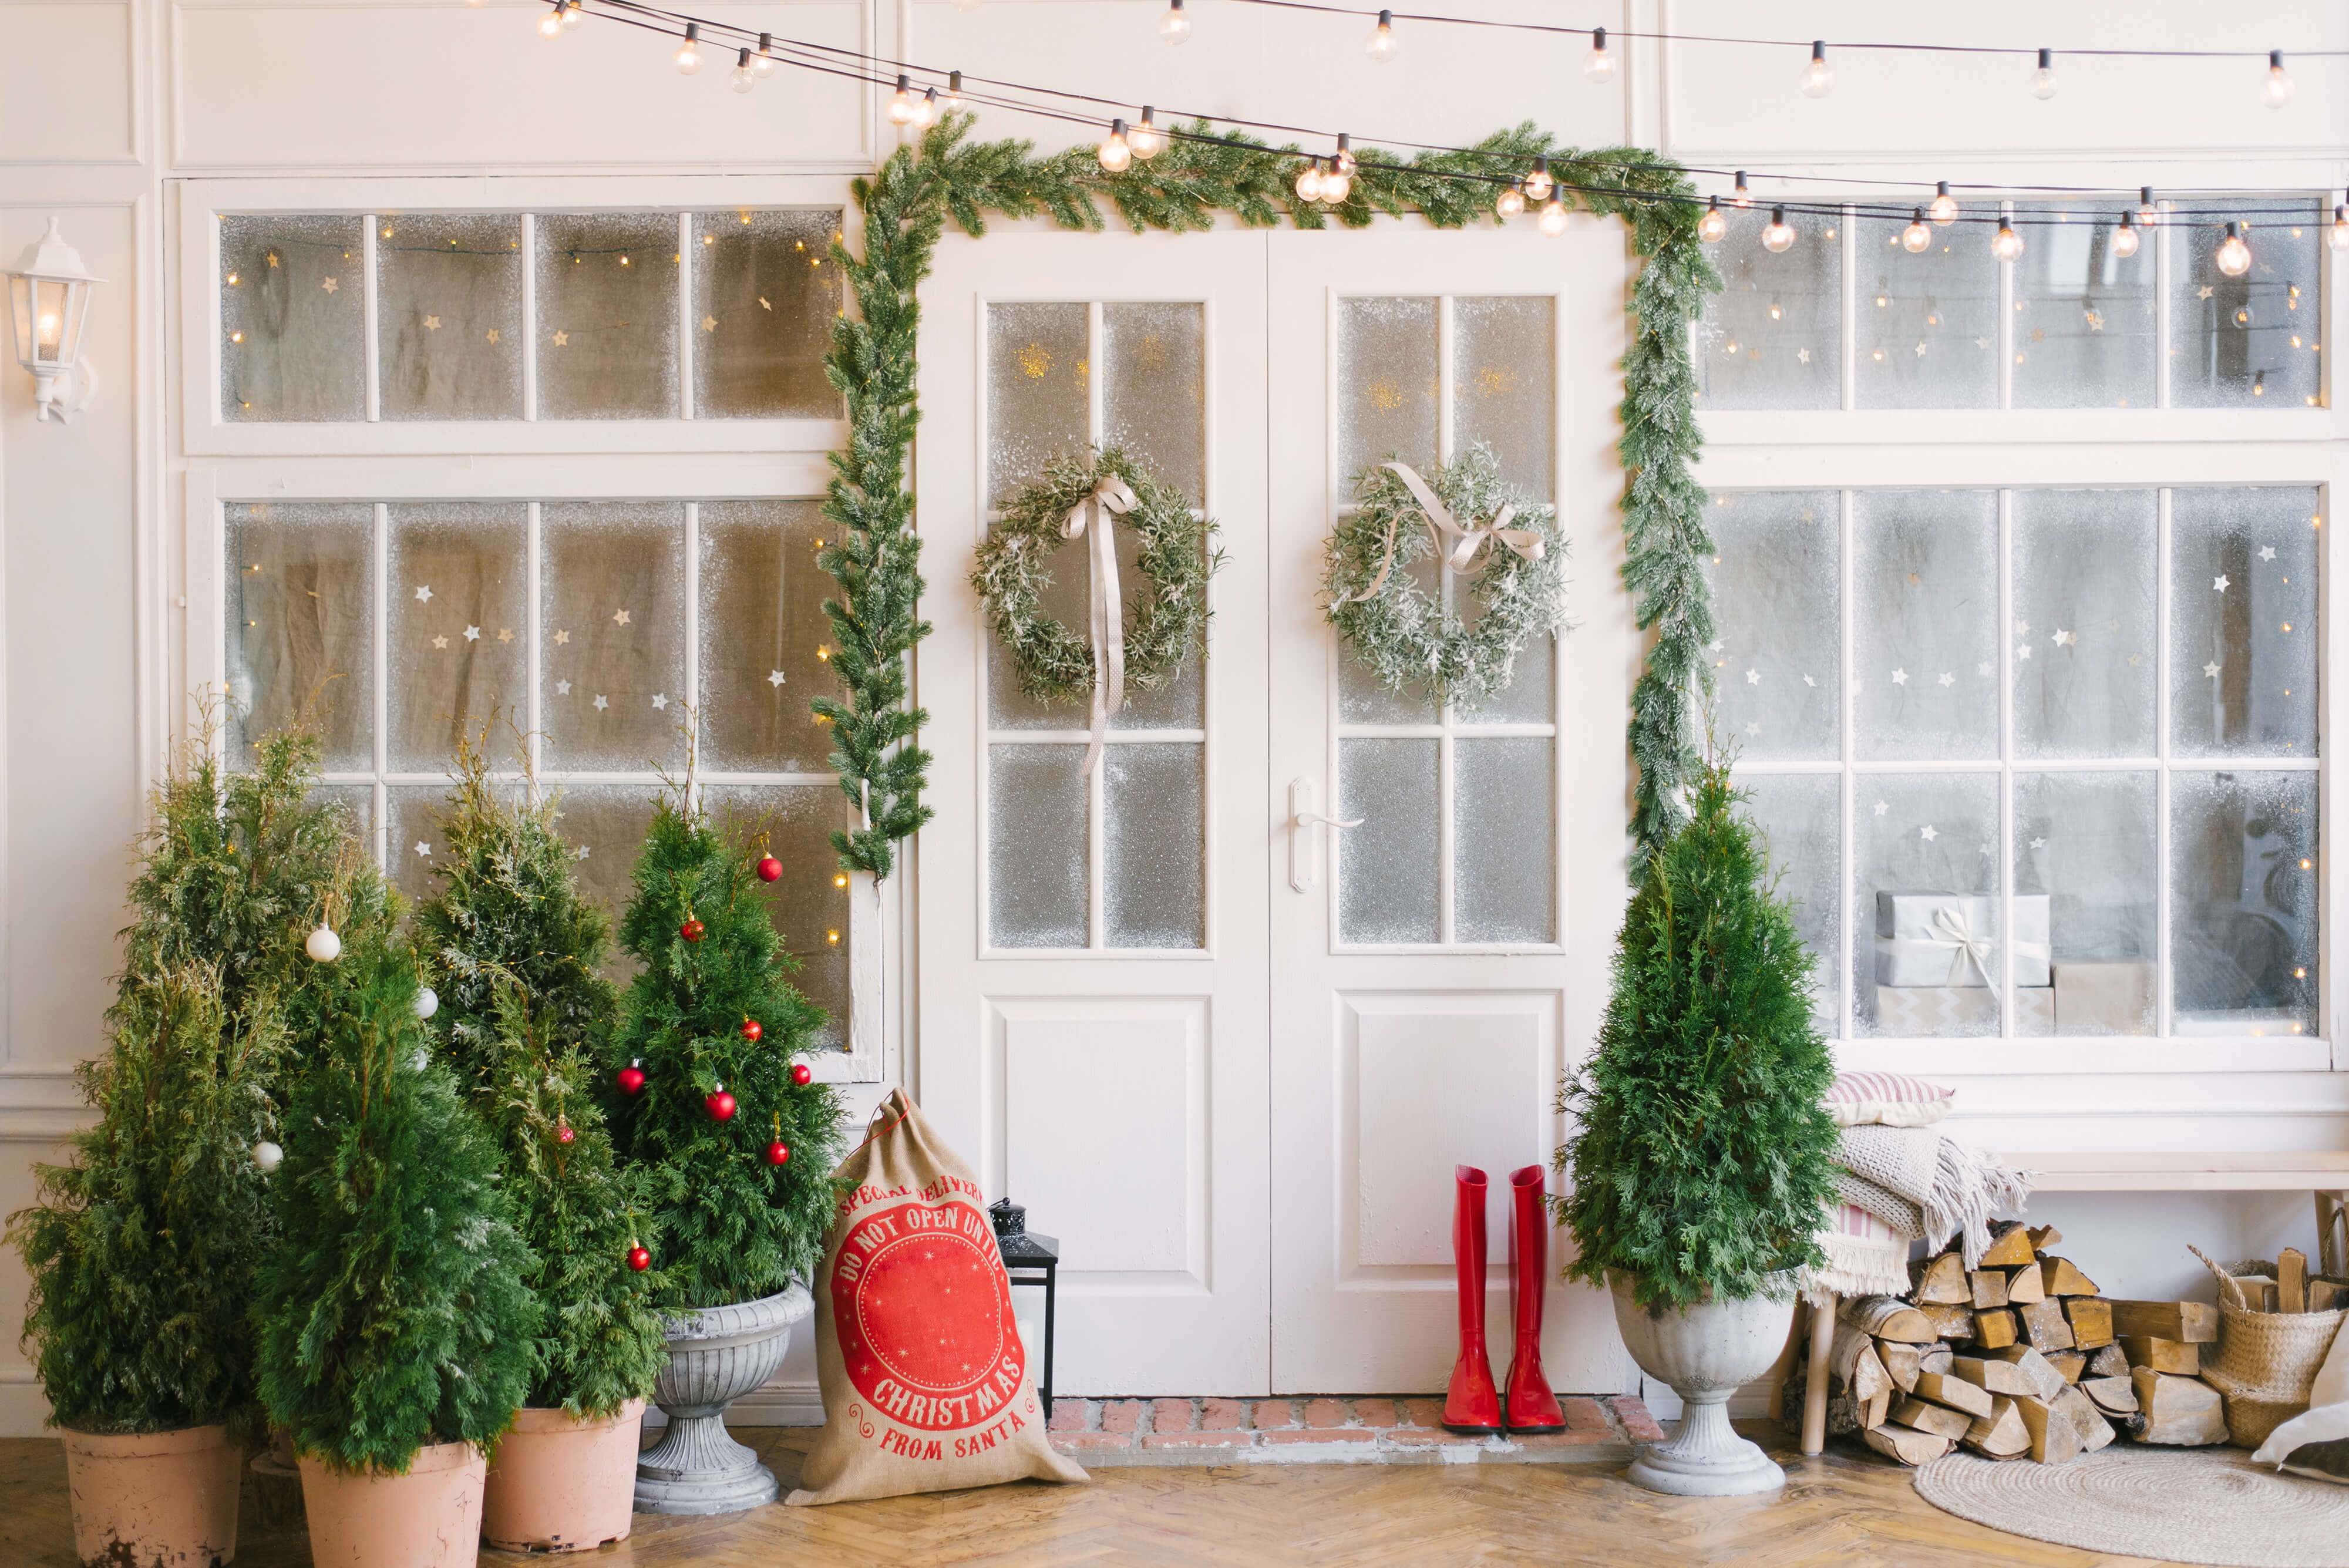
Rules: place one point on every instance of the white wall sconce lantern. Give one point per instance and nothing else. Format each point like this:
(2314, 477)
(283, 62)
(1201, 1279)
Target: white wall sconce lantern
(48, 307)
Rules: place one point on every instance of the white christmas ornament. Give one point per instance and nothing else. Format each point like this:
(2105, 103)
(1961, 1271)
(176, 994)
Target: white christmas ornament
(421, 1060)
(267, 1156)
(323, 945)
(427, 1003)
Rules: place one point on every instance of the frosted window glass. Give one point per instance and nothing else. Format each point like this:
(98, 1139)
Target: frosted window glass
(1387, 385)
(1531, 695)
(1387, 867)
(292, 318)
(763, 635)
(1181, 702)
(1363, 697)
(459, 630)
(1924, 832)
(1927, 325)
(2083, 607)
(1504, 840)
(2083, 317)
(606, 344)
(1154, 836)
(356, 803)
(2086, 841)
(414, 847)
(1925, 620)
(611, 677)
(605, 824)
(1038, 391)
(1800, 818)
(2243, 887)
(1037, 826)
(1772, 338)
(808, 906)
(2251, 341)
(301, 618)
(1777, 668)
(1155, 398)
(449, 327)
(1505, 386)
(766, 292)
(2242, 622)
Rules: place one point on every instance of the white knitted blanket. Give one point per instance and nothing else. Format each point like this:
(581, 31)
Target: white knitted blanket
(1953, 1190)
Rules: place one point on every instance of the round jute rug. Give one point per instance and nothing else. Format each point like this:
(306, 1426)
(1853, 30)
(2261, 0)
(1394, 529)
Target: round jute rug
(2178, 1505)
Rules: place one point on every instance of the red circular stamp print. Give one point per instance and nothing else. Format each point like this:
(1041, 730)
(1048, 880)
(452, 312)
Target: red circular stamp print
(923, 1311)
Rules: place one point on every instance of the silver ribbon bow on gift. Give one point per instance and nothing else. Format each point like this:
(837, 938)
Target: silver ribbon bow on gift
(1090, 519)
(1464, 543)
(1953, 929)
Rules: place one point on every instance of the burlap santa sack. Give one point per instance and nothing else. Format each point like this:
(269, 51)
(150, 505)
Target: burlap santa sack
(925, 1383)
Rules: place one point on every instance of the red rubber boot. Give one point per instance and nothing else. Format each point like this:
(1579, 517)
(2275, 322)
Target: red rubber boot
(1532, 1407)
(1472, 1405)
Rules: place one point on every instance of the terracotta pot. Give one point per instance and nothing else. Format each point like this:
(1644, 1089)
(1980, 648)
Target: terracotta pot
(1706, 1351)
(160, 1500)
(716, 1354)
(564, 1484)
(429, 1518)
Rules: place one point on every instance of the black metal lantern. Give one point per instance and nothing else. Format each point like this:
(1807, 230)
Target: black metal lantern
(1034, 1261)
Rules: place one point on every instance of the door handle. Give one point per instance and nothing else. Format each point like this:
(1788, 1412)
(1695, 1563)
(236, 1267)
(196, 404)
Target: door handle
(1302, 820)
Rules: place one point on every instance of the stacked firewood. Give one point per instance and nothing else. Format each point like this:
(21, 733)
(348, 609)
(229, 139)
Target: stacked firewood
(2018, 1357)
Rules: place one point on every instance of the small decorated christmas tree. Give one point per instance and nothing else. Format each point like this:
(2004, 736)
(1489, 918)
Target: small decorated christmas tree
(736, 1140)
(1703, 1158)
(517, 957)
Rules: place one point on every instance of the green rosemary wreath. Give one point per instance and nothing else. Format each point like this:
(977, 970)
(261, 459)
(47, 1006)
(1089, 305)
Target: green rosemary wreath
(1400, 631)
(1166, 613)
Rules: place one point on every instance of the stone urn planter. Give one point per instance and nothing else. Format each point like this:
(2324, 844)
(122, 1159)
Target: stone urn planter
(562, 1483)
(1706, 1352)
(716, 1354)
(430, 1517)
(160, 1500)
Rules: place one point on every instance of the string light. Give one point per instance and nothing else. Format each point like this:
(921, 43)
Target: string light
(1818, 77)
(954, 91)
(1382, 41)
(746, 76)
(2042, 81)
(2147, 213)
(571, 12)
(1779, 234)
(1538, 185)
(2234, 256)
(1336, 183)
(1943, 209)
(925, 112)
(2340, 236)
(688, 54)
(1599, 66)
(2006, 245)
(1116, 153)
(1709, 228)
(900, 102)
(1146, 139)
(1915, 236)
(1174, 27)
(1309, 180)
(1739, 194)
(2276, 91)
(1552, 221)
(1344, 161)
(2124, 238)
(763, 62)
(551, 24)
(1511, 202)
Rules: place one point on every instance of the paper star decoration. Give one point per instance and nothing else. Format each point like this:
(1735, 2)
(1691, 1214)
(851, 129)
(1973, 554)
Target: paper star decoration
(582, 852)
(774, 678)
(561, 338)
(561, 637)
(1753, 678)
(2023, 628)
(1920, 347)
(1928, 833)
(619, 617)
(763, 304)
(1803, 355)
(1882, 806)
(472, 634)
(1947, 679)
(439, 642)
(1983, 668)
(1808, 681)
(661, 699)
(2202, 293)
(1900, 678)
(423, 850)
(563, 689)
(492, 333)
(2267, 552)
(2023, 652)
(2065, 638)
(506, 634)
(601, 702)
(2038, 843)
(709, 324)
(2096, 321)
(330, 285)
(2212, 669)
(431, 324)
(423, 595)
(1753, 726)
(2218, 583)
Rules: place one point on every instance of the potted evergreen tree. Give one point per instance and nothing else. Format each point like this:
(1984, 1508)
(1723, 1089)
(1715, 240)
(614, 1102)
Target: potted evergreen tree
(734, 1137)
(1700, 1168)
(397, 1334)
(517, 958)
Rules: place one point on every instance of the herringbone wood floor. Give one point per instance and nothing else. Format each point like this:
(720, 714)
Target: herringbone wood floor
(1843, 1509)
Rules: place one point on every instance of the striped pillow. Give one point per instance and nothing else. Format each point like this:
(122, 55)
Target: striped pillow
(1886, 1099)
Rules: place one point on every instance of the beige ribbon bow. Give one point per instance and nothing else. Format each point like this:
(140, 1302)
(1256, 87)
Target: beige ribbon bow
(1953, 929)
(1465, 542)
(1090, 518)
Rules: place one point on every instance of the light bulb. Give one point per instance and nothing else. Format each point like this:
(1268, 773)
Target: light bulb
(1739, 194)
(900, 102)
(2124, 238)
(1511, 201)
(1780, 235)
(1144, 140)
(1174, 27)
(2042, 81)
(2276, 91)
(2006, 245)
(1335, 184)
(1538, 185)
(1116, 153)
(2147, 214)
(1818, 77)
(1712, 225)
(551, 24)
(1309, 180)
(572, 14)
(1344, 162)
(1915, 236)
(1599, 66)
(1943, 208)
(2340, 228)
(763, 62)
(1382, 42)
(926, 111)
(2234, 256)
(1552, 221)
(745, 75)
(954, 90)
(688, 53)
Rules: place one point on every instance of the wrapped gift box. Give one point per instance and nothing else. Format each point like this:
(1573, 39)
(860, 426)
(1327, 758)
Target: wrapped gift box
(2105, 998)
(1926, 1010)
(1948, 939)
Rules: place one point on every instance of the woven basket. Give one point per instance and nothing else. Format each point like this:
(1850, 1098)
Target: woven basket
(2265, 1361)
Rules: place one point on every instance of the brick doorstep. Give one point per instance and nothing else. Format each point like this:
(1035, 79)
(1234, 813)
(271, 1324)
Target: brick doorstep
(1327, 1429)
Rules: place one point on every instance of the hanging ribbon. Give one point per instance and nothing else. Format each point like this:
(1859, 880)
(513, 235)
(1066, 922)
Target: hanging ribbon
(1465, 542)
(1090, 518)
(1953, 927)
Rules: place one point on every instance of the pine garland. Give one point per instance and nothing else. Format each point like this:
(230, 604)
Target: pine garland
(905, 205)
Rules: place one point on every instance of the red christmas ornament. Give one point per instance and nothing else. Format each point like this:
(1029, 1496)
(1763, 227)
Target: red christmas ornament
(769, 868)
(639, 1260)
(690, 931)
(778, 1152)
(801, 1074)
(563, 1133)
(720, 1106)
(751, 1030)
(631, 1079)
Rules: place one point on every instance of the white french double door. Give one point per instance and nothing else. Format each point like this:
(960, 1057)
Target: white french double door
(1227, 1055)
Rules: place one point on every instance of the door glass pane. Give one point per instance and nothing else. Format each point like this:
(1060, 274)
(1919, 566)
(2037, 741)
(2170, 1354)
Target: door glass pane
(766, 290)
(292, 318)
(1363, 697)
(765, 639)
(613, 673)
(1037, 827)
(1777, 668)
(1038, 391)
(810, 906)
(1387, 867)
(2251, 341)
(1531, 695)
(1925, 651)
(605, 824)
(2083, 317)
(2242, 622)
(607, 287)
(460, 630)
(1800, 818)
(301, 618)
(413, 845)
(1927, 324)
(356, 802)
(1772, 338)
(450, 327)
(2083, 607)
(1180, 703)
(1387, 385)
(1505, 386)
(1155, 398)
(2084, 843)
(1153, 836)
(1504, 840)
(2243, 919)
(1925, 918)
